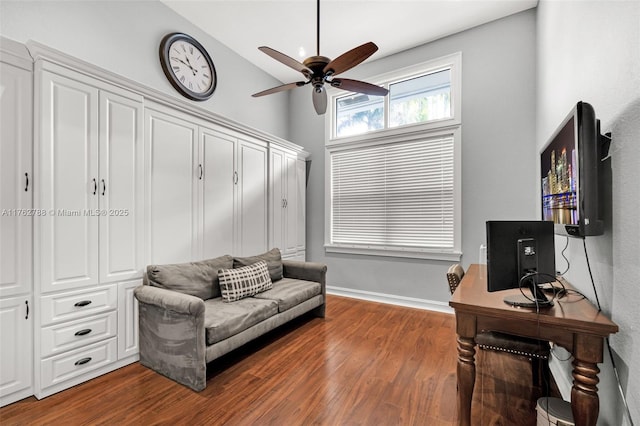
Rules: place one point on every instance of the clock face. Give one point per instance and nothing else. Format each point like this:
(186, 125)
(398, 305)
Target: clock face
(188, 66)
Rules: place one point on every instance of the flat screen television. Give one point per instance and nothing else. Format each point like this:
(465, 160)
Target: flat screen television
(517, 249)
(569, 166)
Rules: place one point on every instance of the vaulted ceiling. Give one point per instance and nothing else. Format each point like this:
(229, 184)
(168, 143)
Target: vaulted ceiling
(290, 26)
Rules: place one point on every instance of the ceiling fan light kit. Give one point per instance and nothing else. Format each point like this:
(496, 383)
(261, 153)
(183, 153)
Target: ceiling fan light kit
(319, 70)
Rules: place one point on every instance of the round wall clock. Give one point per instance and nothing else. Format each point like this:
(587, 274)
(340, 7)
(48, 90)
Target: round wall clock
(188, 66)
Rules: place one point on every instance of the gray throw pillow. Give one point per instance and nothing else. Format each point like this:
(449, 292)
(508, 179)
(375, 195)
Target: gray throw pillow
(198, 279)
(272, 257)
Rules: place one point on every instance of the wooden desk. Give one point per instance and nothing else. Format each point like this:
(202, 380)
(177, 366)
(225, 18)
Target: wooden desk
(573, 323)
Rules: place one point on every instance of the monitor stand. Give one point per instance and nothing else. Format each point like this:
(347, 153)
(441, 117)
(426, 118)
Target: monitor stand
(537, 299)
(527, 267)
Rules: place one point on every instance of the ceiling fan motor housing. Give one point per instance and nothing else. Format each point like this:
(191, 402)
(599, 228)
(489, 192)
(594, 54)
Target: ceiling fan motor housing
(316, 64)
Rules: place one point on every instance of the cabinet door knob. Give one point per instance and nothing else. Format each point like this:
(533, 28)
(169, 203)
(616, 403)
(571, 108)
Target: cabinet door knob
(83, 361)
(82, 303)
(83, 332)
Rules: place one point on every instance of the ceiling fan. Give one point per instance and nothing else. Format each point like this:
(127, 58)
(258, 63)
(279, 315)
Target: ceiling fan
(319, 70)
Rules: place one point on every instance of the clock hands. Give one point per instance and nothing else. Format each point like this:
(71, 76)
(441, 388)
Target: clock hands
(193, 70)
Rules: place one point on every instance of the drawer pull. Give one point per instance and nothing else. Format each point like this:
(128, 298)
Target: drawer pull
(83, 361)
(82, 303)
(83, 332)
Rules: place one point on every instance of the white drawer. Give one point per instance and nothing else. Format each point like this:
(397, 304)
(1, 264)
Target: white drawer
(71, 335)
(68, 365)
(77, 304)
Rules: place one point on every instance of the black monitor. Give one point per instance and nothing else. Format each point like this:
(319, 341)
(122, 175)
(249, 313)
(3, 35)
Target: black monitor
(521, 254)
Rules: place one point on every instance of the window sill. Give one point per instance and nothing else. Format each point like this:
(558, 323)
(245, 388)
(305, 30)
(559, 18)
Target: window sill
(453, 256)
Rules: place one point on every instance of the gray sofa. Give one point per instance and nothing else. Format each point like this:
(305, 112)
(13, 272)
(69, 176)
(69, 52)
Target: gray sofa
(184, 323)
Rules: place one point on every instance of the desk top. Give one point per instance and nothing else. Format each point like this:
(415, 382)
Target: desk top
(571, 313)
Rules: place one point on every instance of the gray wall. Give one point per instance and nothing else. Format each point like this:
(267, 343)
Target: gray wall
(123, 37)
(498, 153)
(590, 51)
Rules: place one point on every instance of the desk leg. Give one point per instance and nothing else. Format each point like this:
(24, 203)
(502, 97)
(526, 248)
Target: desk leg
(587, 353)
(466, 378)
(585, 404)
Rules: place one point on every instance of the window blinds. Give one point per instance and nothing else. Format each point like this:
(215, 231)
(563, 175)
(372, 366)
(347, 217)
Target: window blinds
(394, 196)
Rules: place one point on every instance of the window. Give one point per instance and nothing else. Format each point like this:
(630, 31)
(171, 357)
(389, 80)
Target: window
(393, 185)
(420, 99)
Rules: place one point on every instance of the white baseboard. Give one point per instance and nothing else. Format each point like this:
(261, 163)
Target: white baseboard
(391, 299)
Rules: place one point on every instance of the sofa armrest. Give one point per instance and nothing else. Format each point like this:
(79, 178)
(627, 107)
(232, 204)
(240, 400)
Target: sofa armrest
(169, 300)
(172, 335)
(309, 271)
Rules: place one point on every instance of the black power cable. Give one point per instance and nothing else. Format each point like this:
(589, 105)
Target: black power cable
(613, 362)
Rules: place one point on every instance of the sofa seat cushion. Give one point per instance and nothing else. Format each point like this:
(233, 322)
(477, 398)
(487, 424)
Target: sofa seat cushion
(223, 320)
(289, 292)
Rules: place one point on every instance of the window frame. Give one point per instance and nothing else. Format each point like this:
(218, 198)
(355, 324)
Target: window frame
(452, 62)
(451, 126)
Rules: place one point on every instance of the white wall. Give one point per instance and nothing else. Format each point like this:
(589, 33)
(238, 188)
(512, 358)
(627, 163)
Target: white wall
(123, 37)
(590, 51)
(498, 153)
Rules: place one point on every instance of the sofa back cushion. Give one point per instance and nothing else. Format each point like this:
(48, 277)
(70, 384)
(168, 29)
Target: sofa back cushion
(238, 283)
(272, 257)
(198, 279)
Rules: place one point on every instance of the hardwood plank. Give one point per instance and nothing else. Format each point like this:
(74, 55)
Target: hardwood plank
(364, 364)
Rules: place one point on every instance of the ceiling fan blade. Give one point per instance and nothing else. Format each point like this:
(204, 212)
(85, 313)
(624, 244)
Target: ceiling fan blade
(287, 60)
(359, 86)
(277, 89)
(319, 97)
(350, 59)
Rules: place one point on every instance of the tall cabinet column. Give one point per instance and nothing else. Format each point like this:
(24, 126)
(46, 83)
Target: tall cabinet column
(287, 177)
(89, 156)
(16, 221)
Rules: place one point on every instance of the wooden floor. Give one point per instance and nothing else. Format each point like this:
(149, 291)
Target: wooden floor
(364, 364)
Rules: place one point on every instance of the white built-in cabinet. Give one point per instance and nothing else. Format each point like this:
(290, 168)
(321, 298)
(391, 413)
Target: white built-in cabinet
(100, 177)
(89, 154)
(234, 194)
(287, 227)
(16, 221)
(207, 189)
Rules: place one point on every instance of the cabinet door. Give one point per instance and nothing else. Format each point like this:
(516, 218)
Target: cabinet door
(301, 204)
(291, 205)
(120, 187)
(16, 181)
(68, 184)
(218, 152)
(127, 319)
(252, 198)
(277, 198)
(16, 353)
(171, 189)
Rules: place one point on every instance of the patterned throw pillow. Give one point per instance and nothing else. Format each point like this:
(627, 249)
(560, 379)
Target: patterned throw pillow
(239, 283)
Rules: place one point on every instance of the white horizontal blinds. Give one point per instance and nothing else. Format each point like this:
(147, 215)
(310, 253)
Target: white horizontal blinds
(397, 196)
